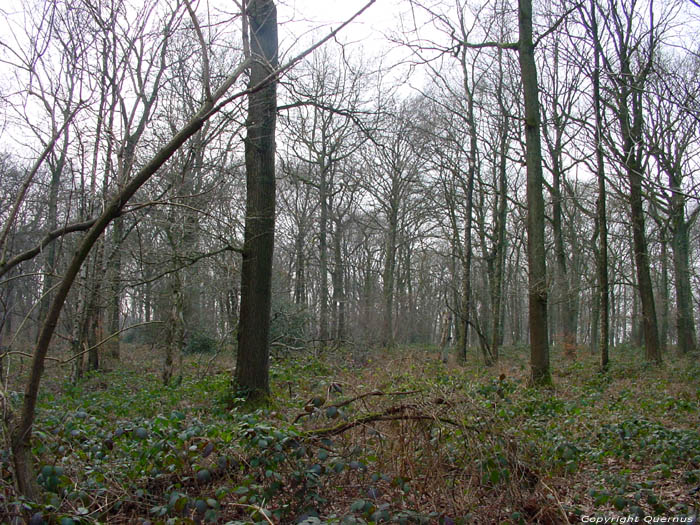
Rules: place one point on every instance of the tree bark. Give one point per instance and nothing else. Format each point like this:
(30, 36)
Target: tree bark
(687, 340)
(500, 219)
(641, 256)
(663, 298)
(537, 292)
(252, 364)
(603, 309)
(388, 280)
(338, 291)
(300, 269)
(114, 272)
(323, 254)
(630, 114)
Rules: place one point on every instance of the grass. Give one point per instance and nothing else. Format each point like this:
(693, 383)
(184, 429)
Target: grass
(378, 437)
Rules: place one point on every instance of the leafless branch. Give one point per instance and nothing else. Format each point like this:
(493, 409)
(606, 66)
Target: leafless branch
(28, 181)
(205, 54)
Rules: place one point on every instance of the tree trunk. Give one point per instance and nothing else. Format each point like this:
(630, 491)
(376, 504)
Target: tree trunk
(338, 292)
(445, 324)
(537, 292)
(687, 340)
(323, 255)
(664, 314)
(566, 310)
(252, 364)
(114, 304)
(603, 298)
(94, 332)
(175, 331)
(466, 305)
(51, 224)
(630, 115)
(388, 284)
(641, 257)
(300, 270)
(500, 220)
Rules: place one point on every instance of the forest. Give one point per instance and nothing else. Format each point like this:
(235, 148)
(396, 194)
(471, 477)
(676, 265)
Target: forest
(381, 261)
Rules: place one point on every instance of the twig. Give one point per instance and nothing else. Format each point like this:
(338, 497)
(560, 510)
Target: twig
(259, 509)
(556, 498)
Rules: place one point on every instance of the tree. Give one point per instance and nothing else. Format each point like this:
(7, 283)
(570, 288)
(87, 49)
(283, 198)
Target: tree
(537, 293)
(561, 91)
(394, 175)
(628, 61)
(603, 280)
(252, 360)
(21, 424)
(324, 120)
(672, 138)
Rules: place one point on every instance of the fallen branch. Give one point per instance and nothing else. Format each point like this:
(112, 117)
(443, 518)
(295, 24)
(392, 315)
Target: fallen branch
(390, 414)
(346, 402)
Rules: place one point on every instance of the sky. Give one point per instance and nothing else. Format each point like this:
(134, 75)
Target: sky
(382, 16)
(367, 34)
(301, 23)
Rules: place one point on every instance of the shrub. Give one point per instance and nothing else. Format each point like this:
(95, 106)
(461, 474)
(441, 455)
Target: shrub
(200, 343)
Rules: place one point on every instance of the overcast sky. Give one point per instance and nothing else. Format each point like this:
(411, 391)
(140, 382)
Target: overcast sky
(299, 18)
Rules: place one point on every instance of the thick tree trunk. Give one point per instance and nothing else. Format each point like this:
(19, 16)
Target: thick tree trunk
(252, 364)
(687, 340)
(537, 292)
(644, 282)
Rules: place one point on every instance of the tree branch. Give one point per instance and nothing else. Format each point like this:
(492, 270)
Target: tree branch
(497, 45)
(205, 54)
(50, 237)
(28, 181)
(556, 24)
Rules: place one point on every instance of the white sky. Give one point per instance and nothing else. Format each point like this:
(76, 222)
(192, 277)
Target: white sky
(381, 17)
(367, 34)
(301, 23)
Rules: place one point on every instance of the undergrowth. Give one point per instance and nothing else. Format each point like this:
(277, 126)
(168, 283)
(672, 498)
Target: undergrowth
(384, 437)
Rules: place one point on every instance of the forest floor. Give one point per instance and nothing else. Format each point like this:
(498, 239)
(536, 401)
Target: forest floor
(368, 437)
